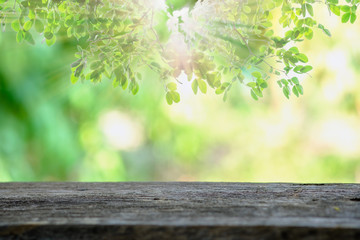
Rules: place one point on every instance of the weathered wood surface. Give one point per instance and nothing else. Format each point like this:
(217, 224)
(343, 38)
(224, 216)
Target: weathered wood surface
(179, 211)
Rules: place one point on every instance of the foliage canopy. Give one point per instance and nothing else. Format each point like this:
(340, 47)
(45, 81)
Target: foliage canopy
(215, 43)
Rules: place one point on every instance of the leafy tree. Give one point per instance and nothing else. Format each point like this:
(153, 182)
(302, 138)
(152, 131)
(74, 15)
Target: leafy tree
(216, 43)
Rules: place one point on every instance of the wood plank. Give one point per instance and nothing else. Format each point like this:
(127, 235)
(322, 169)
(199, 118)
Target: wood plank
(175, 210)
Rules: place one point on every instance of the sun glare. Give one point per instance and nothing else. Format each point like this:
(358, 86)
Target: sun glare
(121, 131)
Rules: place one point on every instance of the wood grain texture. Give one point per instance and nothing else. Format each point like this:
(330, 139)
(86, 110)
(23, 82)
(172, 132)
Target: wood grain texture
(179, 211)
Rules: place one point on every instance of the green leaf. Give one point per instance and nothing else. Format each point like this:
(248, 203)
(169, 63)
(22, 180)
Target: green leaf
(194, 86)
(345, 17)
(300, 23)
(171, 86)
(295, 80)
(353, 18)
(251, 84)
(20, 36)
(326, 31)
(294, 50)
(335, 9)
(266, 24)
(116, 82)
(134, 88)
(69, 32)
(62, 7)
(97, 64)
(39, 26)
(94, 75)
(302, 57)
(306, 69)
(79, 70)
(345, 8)
(219, 90)
(286, 92)
(175, 96)
(300, 89)
(124, 83)
(303, 9)
(253, 95)
(48, 35)
(269, 33)
(15, 25)
(298, 68)
(155, 64)
(309, 34)
(169, 99)
(264, 85)
(29, 38)
(74, 79)
(28, 25)
(257, 92)
(51, 41)
(256, 74)
(31, 14)
(310, 9)
(225, 85)
(76, 63)
(295, 91)
(202, 86)
(222, 88)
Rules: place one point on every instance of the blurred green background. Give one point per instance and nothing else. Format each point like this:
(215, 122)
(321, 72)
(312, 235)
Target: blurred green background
(51, 130)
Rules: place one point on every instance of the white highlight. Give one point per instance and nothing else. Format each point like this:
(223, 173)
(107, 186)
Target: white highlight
(121, 131)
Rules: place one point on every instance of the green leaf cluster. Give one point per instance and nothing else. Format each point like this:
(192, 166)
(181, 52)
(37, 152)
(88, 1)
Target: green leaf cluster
(234, 41)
